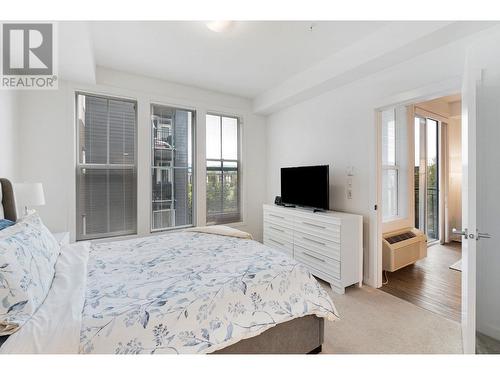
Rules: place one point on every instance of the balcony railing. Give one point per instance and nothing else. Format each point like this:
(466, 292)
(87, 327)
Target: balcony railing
(432, 211)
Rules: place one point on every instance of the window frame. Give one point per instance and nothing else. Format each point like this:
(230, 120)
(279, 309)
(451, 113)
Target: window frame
(193, 166)
(239, 169)
(393, 167)
(107, 166)
(423, 164)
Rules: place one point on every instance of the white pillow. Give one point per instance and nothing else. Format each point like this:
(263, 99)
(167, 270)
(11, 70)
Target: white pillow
(28, 253)
(2, 215)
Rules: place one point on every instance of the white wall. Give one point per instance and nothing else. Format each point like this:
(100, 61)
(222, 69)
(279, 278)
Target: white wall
(338, 128)
(454, 177)
(46, 151)
(48, 154)
(8, 126)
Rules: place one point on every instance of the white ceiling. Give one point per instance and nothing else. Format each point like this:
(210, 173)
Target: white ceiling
(250, 58)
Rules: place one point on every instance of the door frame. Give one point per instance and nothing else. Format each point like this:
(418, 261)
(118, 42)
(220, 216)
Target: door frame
(426, 93)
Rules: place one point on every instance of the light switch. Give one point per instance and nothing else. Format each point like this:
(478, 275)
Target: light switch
(349, 187)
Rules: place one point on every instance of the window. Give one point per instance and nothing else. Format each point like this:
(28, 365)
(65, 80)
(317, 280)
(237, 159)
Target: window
(171, 167)
(389, 166)
(394, 164)
(223, 169)
(106, 168)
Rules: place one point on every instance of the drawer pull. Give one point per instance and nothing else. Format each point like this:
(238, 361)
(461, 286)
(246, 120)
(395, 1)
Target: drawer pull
(278, 229)
(317, 242)
(278, 216)
(313, 225)
(312, 256)
(279, 243)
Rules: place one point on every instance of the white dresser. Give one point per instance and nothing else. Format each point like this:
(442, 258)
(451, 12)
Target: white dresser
(329, 243)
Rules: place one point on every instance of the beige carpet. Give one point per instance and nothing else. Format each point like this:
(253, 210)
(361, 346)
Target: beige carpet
(373, 321)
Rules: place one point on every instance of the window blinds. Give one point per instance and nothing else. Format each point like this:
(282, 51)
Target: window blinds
(106, 171)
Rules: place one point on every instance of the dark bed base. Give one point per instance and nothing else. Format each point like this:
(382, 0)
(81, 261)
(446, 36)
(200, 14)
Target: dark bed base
(299, 336)
(317, 350)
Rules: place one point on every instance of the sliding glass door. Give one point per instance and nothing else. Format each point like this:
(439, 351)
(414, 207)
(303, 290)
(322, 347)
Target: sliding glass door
(427, 176)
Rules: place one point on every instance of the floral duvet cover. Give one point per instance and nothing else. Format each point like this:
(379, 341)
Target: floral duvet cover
(191, 293)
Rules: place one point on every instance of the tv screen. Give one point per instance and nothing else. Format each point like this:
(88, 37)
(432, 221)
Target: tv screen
(305, 186)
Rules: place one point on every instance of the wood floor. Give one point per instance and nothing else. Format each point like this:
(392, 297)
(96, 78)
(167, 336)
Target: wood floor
(430, 283)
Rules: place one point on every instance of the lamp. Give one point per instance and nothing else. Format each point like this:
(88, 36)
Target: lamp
(28, 195)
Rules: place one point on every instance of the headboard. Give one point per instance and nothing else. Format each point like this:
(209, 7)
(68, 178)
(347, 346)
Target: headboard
(8, 201)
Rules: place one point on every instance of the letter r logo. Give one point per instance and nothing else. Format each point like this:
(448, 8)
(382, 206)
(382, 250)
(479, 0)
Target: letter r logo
(27, 49)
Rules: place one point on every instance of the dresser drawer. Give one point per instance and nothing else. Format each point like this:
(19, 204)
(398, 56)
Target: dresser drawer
(280, 230)
(327, 230)
(318, 245)
(319, 238)
(317, 261)
(279, 243)
(279, 217)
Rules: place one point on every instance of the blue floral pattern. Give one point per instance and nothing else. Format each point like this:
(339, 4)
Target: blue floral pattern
(191, 293)
(28, 253)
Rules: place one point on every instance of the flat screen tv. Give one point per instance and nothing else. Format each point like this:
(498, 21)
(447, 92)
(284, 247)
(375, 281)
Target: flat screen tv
(305, 186)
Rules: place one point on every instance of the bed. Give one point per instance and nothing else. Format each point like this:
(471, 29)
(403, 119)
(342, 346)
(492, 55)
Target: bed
(182, 292)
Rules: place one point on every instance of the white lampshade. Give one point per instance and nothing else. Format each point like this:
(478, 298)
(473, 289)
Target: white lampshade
(29, 194)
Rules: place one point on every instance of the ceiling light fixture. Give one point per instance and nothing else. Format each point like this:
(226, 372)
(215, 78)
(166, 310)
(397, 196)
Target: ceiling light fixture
(219, 26)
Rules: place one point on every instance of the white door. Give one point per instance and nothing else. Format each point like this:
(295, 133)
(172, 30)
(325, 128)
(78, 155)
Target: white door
(480, 196)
